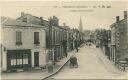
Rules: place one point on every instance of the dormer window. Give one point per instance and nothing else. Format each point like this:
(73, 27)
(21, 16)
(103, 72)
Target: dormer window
(24, 19)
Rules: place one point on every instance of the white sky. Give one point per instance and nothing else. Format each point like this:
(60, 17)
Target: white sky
(98, 18)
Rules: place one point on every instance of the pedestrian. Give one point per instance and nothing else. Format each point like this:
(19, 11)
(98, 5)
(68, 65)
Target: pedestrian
(76, 45)
(75, 64)
(89, 44)
(65, 47)
(71, 61)
(71, 45)
(50, 66)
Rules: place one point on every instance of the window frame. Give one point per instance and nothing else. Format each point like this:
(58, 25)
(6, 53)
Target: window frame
(36, 38)
(18, 38)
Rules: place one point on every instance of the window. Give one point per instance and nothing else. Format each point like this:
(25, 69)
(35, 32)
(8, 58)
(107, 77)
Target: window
(25, 58)
(24, 19)
(36, 38)
(13, 60)
(19, 59)
(18, 38)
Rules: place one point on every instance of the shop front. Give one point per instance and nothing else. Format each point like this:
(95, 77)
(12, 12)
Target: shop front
(18, 59)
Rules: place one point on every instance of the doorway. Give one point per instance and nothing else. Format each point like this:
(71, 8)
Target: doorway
(36, 59)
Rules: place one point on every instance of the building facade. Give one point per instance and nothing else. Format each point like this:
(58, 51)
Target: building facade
(113, 43)
(23, 45)
(119, 44)
(80, 26)
(30, 41)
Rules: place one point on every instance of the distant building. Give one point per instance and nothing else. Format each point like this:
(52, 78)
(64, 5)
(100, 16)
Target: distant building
(80, 26)
(102, 39)
(108, 48)
(92, 36)
(119, 39)
(86, 34)
(113, 43)
(23, 45)
(97, 37)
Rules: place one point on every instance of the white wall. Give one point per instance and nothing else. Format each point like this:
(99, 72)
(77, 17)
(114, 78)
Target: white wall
(113, 32)
(9, 39)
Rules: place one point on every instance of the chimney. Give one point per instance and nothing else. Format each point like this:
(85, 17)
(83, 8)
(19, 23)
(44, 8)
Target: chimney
(125, 14)
(117, 18)
(22, 14)
(64, 24)
(42, 20)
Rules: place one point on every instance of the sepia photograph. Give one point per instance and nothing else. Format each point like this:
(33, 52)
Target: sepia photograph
(63, 40)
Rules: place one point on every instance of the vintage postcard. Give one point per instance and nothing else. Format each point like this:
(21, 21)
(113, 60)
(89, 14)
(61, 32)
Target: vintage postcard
(64, 39)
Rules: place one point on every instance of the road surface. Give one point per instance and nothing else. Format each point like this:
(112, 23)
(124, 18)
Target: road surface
(93, 64)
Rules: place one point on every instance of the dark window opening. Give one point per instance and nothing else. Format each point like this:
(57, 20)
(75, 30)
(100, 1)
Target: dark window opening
(36, 38)
(18, 38)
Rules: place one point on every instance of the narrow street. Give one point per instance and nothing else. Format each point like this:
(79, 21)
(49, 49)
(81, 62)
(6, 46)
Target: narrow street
(93, 64)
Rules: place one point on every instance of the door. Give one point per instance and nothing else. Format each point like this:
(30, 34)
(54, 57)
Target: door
(36, 59)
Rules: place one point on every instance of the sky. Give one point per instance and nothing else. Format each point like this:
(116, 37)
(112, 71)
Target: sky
(69, 12)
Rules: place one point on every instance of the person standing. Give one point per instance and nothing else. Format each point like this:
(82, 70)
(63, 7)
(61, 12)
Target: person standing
(76, 45)
(50, 66)
(65, 47)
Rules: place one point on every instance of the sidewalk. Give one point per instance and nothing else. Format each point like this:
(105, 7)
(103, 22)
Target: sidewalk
(111, 68)
(37, 74)
(60, 64)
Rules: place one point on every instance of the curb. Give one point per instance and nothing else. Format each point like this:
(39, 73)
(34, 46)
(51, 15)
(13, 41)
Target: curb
(57, 70)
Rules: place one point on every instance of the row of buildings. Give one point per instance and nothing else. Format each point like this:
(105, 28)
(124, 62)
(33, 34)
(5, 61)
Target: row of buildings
(119, 39)
(114, 42)
(30, 41)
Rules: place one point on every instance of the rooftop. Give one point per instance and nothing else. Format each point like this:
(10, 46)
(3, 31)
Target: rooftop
(6, 21)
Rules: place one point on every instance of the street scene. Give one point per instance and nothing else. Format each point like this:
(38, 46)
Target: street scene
(91, 66)
(64, 40)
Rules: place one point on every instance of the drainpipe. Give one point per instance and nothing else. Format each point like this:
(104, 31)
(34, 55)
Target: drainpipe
(115, 55)
(1, 56)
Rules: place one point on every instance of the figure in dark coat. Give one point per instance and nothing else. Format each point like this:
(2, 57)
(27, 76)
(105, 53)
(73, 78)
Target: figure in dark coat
(65, 47)
(76, 45)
